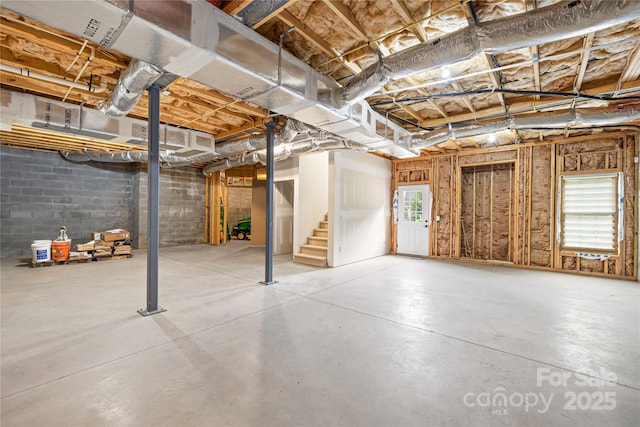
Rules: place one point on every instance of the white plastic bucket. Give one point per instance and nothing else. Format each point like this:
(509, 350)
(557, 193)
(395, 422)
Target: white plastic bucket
(41, 250)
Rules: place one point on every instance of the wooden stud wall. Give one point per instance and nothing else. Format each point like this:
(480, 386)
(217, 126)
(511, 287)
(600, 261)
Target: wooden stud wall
(215, 189)
(533, 192)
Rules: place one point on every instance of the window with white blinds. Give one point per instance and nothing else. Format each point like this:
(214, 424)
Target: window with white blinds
(589, 211)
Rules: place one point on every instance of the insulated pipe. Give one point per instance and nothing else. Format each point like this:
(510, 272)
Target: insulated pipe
(138, 76)
(167, 160)
(293, 149)
(570, 18)
(574, 120)
(290, 130)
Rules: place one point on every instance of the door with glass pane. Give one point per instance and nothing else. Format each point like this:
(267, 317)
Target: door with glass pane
(414, 213)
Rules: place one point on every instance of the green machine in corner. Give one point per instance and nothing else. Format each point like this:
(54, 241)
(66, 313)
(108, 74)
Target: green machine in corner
(242, 230)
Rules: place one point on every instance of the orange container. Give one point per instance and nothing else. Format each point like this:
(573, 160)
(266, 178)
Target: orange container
(60, 250)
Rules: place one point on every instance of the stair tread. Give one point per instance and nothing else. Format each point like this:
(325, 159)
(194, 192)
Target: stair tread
(310, 256)
(319, 238)
(314, 247)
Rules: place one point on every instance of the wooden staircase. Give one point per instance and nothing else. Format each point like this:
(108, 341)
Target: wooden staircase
(315, 251)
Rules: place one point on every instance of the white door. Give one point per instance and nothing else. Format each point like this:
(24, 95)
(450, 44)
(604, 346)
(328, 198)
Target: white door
(414, 213)
(283, 218)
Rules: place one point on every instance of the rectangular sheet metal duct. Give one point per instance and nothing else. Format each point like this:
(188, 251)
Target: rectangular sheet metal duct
(198, 41)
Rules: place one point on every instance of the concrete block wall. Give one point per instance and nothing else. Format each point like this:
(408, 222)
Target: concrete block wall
(182, 206)
(41, 192)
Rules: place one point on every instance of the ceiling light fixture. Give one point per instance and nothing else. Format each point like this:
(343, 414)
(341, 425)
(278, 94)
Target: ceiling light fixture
(446, 72)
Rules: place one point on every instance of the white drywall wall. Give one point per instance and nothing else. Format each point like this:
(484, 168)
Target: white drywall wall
(313, 195)
(288, 170)
(359, 207)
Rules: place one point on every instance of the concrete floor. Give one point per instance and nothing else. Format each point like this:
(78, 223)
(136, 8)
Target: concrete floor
(391, 341)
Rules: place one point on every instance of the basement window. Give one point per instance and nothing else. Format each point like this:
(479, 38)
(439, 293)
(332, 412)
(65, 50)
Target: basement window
(590, 212)
(412, 206)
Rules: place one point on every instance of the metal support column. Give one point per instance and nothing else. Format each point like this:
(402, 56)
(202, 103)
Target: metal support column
(268, 252)
(153, 174)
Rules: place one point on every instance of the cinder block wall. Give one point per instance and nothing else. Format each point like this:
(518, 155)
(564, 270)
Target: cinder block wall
(182, 206)
(41, 192)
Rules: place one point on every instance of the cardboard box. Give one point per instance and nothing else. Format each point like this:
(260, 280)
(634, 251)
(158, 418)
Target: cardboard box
(111, 235)
(85, 246)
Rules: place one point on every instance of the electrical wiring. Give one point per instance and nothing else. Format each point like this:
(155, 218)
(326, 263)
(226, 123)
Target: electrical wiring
(398, 118)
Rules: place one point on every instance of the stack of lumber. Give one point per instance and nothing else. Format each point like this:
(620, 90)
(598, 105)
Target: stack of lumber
(107, 245)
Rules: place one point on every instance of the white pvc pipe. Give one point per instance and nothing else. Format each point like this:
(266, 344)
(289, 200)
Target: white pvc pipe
(57, 80)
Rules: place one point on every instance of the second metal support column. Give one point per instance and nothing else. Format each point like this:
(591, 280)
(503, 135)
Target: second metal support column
(268, 253)
(153, 173)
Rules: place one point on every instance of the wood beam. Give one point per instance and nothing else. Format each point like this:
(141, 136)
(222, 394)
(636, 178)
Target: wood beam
(61, 44)
(522, 105)
(236, 130)
(536, 69)
(584, 61)
(195, 101)
(632, 69)
(235, 6)
(273, 13)
(413, 82)
(403, 12)
(409, 111)
(465, 99)
(495, 81)
(345, 14)
(302, 29)
(49, 88)
(216, 98)
(43, 67)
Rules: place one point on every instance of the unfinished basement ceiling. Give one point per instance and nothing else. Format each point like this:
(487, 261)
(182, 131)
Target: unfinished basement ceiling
(341, 38)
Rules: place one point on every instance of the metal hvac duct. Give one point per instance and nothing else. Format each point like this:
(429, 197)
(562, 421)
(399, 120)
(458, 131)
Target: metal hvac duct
(166, 159)
(196, 40)
(290, 130)
(21, 109)
(138, 76)
(284, 152)
(570, 18)
(574, 120)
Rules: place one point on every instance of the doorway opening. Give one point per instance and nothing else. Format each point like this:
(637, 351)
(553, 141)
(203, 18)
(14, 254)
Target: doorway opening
(414, 214)
(487, 206)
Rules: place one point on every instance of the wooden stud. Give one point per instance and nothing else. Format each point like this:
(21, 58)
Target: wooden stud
(273, 14)
(552, 203)
(584, 61)
(455, 215)
(635, 206)
(344, 13)
(529, 212)
(516, 198)
(312, 37)
(475, 189)
(235, 6)
(490, 237)
(225, 204)
(436, 181)
(509, 235)
(215, 209)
